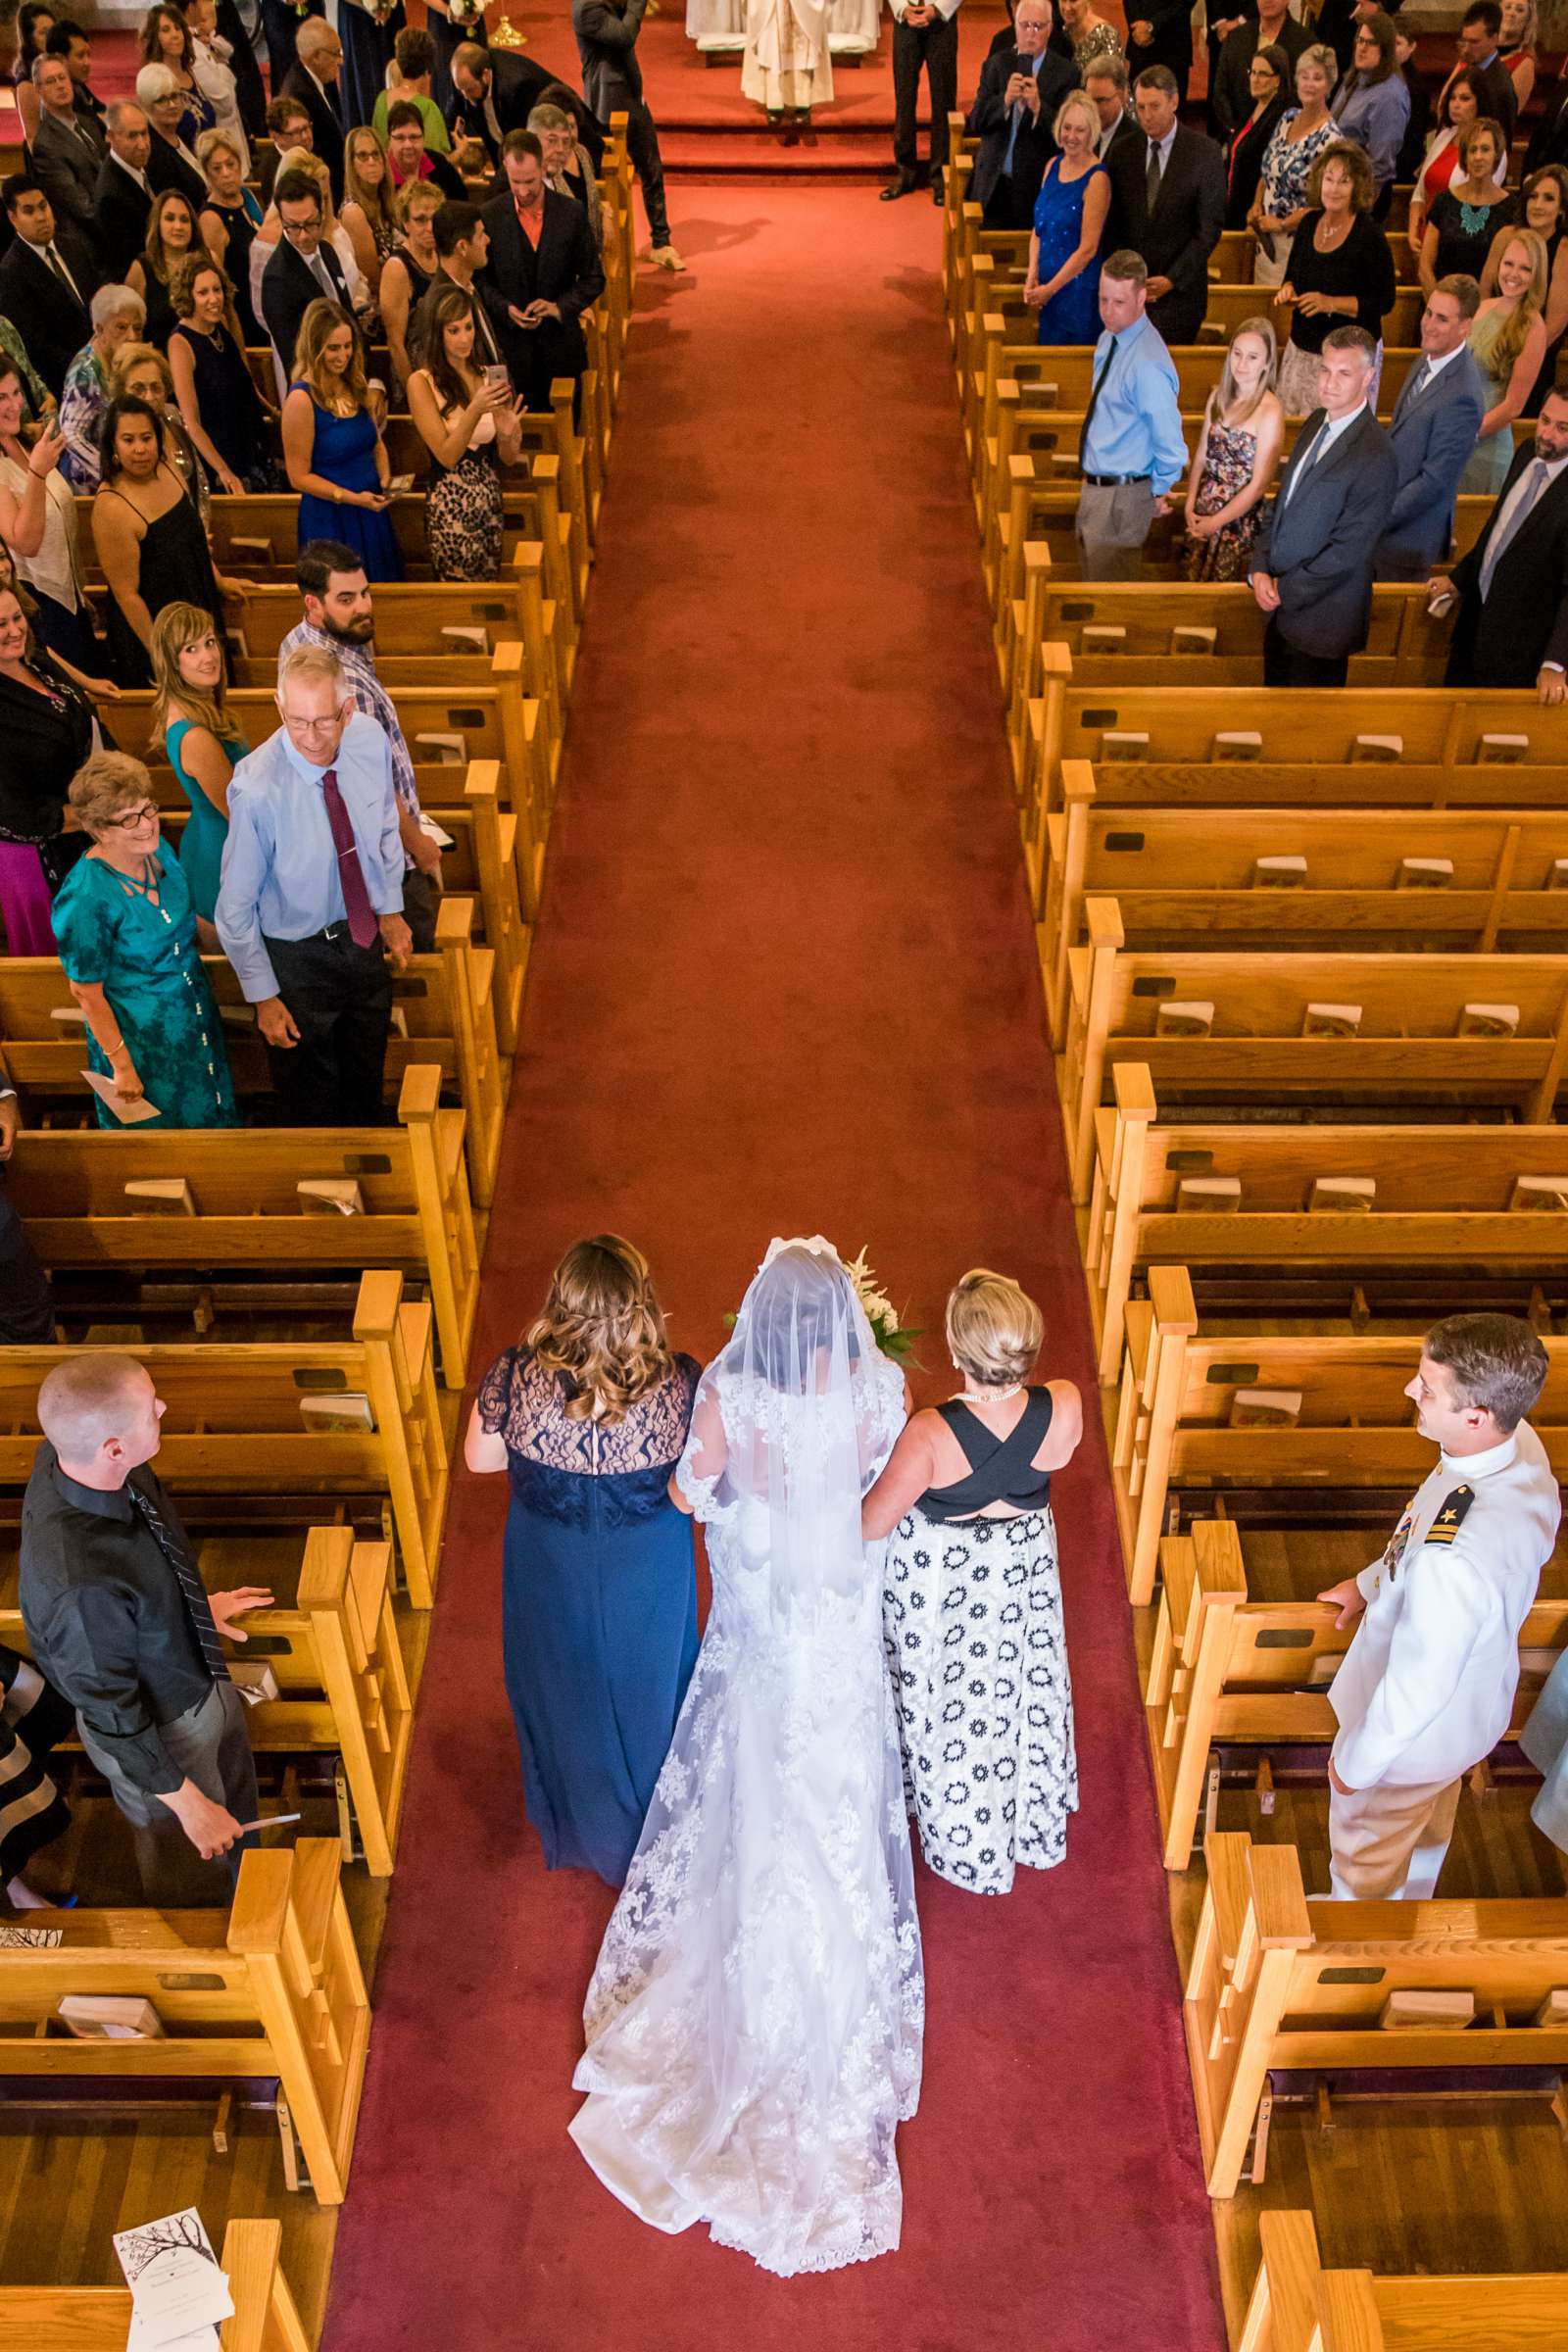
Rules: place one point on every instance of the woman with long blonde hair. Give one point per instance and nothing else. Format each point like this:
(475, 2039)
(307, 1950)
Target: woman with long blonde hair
(1509, 341)
(588, 1416)
(190, 718)
(1236, 458)
(333, 445)
(367, 213)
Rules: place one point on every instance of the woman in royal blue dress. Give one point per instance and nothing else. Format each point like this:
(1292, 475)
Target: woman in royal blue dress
(588, 1417)
(1064, 280)
(333, 445)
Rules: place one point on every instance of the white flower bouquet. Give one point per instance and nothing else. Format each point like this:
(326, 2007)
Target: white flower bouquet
(894, 1337)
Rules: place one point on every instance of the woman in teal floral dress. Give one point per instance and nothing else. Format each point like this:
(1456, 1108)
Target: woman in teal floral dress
(126, 933)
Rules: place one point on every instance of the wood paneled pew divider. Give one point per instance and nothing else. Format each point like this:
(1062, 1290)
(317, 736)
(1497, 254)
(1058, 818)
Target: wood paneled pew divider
(1282, 1986)
(1299, 1219)
(343, 1690)
(443, 1013)
(95, 2319)
(321, 1420)
(264, 1206)
(1227, 1669)
(268, 1998)
(1229, 746)
(1428, 1033)
(1297, 2306)
(1312, 879)
(1297, 1417)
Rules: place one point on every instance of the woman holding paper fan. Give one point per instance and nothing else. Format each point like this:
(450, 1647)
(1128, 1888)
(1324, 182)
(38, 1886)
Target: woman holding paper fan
(588, 1417)
(990, 1769)
(126, 932)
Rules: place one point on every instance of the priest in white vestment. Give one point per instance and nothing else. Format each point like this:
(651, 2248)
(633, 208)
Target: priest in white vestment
(786, 68)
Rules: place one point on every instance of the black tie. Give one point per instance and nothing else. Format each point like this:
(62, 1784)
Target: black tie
(1153, 177)
(1095, 391)
(197, 1605)
(53, 262)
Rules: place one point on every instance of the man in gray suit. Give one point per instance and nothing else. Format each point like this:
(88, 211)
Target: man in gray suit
(1312, 562)
(613, 83)
(1435, 420)
(66, 151)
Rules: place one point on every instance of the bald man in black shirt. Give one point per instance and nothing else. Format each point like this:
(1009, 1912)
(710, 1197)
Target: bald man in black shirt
(120, 1622)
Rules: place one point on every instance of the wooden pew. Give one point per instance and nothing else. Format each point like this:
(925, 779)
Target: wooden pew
(258, 1419)
(279, 1980)
(1189, 877)
(1297, 2306)
(1382, 746)
(1446, 1203)
(1420, 1034)
(1282, 1985)
(95, 2319)
(1228, 1666)
(343, 1688)
(1170, 1419)
(245, 1207)
(1228, 308)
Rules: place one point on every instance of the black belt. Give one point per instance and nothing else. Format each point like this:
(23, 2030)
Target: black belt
(333, 935)
(1113, 481)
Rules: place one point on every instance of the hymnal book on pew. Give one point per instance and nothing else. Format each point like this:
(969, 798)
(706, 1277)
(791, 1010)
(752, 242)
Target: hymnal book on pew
(129, 1115)
(350, 1408)
(1265, 1408)
(1279, 873)
(253, 1679)
(1539, 1193)
(1413, 2012)
(1331, 1020)
(1193, 1020)
(1488, 1020)
(16, 1938)
(1342, 1196)
(110, 2017)
(178, 2295)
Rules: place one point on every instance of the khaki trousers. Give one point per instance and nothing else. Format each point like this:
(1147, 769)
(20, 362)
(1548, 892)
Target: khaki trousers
(1389, 1843)
(1112, 522)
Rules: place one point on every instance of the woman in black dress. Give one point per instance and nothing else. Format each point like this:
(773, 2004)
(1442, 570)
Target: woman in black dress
(171, 236)
(46, 724)
(216, 393)
(1268, 79)
(148, 536)
(1340, 270)
(32, 1813)
(230, 220)
(1468, 213)
(409, 268)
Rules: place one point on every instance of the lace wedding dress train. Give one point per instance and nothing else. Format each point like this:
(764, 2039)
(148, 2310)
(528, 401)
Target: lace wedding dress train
(753, 2023)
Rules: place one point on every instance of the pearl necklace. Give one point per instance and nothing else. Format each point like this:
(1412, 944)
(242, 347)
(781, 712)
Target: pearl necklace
(991, 1395)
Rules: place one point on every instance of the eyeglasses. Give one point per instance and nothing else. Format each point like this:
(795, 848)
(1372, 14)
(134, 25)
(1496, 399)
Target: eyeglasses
(312, 726)
(129, 818)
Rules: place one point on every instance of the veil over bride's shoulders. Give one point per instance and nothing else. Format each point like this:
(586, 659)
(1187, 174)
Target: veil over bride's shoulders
(753, 2023)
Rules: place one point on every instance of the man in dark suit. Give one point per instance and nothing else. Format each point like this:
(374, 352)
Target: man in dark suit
(494, 93)
(47, 281)
(68, 39)
(1433, 429)
(1312, 560)
(282, 29)
(1548, 141)
(613, 83)
(1014, 108)
(1105, 87)
(1230, 96)
(925, 38)
(1159, 32)
(313, 79)
(124, 195)
(303, 268)
(1478, 29)
(1512, 625)
(66, 153)
(544, 266)
(1168, 204)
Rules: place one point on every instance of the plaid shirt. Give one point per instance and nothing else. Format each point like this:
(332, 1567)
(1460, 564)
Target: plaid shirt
(370, 697)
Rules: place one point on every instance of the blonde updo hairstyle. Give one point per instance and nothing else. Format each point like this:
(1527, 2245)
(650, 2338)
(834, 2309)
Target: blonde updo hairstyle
(603, 1328)
(994, 1328)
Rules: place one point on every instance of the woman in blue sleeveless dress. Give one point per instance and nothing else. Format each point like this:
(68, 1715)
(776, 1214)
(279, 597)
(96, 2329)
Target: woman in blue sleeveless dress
(588, 1417)
(333, 445)
(203, 743)
(1069, 228)
(971, 1603)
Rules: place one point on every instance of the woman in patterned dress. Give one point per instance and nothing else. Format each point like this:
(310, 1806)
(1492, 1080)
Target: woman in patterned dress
(1093, 40)
(972, 1600)
(1281, 206)
(1237, 454)
(470, 425)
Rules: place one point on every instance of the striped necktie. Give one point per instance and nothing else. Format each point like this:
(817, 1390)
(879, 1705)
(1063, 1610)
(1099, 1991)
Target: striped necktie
(198, 1607)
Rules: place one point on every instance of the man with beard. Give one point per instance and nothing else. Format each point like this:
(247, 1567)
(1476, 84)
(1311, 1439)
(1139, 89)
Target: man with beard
(340, 617)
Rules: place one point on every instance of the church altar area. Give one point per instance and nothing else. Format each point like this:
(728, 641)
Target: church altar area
(717, 27)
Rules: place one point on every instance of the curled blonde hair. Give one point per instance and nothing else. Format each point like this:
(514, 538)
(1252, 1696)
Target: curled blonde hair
(603, 1328)
(994, 1328)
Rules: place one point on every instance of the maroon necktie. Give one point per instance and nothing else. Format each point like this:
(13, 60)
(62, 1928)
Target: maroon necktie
(350, 873)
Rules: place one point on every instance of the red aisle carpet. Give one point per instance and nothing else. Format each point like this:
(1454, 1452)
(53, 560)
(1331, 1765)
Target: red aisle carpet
(784, 981)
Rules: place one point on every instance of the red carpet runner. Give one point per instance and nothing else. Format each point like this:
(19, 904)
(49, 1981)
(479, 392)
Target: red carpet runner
(785, 981)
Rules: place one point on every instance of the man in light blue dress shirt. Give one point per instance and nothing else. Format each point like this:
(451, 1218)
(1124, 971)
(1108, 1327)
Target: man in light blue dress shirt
(1131, 454)
(309, 906)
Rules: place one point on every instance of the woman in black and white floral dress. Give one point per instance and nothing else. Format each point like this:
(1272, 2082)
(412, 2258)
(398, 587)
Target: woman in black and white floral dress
(972, 1600)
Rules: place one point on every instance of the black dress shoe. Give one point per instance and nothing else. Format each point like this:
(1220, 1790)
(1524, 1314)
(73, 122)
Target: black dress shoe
(936, 188)
(902, 186)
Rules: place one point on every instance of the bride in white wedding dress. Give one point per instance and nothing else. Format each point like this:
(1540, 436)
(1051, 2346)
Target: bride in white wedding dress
(753, 2023)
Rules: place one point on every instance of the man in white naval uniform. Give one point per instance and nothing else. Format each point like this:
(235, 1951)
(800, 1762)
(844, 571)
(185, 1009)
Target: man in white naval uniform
(1428, 1685)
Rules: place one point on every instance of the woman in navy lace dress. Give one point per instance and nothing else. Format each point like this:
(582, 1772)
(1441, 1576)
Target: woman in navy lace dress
(599, 1590)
